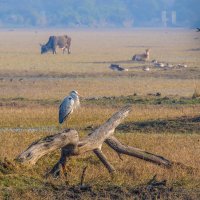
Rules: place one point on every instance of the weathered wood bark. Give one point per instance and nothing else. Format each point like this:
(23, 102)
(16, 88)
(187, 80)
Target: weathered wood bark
(103, 159)
(70, 145)
(66, 152)
(94, 141)
(46, 145)
(138, 153)
(97, 138)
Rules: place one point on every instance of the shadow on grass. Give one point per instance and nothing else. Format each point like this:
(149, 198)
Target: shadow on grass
(177, 125)
(197, 49)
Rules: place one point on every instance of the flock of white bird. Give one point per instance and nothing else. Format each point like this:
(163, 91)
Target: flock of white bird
(144, 57)
(164, 66)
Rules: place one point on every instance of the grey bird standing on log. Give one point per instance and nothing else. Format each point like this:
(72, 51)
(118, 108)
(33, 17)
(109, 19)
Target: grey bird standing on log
(68, 104)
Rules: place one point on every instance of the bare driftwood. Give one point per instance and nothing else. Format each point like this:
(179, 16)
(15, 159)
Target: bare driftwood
(138, 153)
(48, 144)
(70, 145)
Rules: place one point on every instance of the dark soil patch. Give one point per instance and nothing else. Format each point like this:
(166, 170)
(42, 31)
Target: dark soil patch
(151, 190)
(151, 99)
(197, 49)
(178, 125)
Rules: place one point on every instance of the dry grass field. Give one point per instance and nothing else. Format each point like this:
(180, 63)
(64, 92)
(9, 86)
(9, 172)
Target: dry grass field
(32, 86)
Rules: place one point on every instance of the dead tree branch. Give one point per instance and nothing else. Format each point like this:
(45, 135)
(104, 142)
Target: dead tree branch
(103, 159)
(70, 145)
(46, 145)
(138, 153)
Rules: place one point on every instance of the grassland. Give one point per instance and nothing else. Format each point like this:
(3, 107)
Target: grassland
(32, 86)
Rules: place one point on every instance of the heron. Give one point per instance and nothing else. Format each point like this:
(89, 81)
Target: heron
(68, 104)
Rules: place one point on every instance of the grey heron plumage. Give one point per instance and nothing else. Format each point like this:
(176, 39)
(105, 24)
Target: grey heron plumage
(67, 106)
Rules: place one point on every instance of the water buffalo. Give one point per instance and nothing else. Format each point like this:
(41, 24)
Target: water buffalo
(62, 42)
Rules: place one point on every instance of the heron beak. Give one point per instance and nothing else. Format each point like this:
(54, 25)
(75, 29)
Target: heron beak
(80, 95)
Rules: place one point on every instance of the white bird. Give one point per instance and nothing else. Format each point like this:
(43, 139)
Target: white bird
(146, 69)
(67, 106)
(154, 61)
(159, 65)
(169, 65)
(184, 65)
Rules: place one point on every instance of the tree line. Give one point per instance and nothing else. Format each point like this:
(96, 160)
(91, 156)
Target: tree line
(99, 13)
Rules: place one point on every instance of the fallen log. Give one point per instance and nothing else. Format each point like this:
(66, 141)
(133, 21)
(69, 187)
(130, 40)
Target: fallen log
(46, 145)
(70, 145)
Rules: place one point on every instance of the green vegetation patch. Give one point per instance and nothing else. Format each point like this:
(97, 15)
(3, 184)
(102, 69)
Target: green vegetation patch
(20, 182)
(152, 99)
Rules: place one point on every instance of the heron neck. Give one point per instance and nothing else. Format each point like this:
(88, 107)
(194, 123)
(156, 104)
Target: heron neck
(74, 96)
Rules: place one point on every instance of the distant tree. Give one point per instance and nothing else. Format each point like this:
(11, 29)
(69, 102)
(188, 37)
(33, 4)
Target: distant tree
(92, 13)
